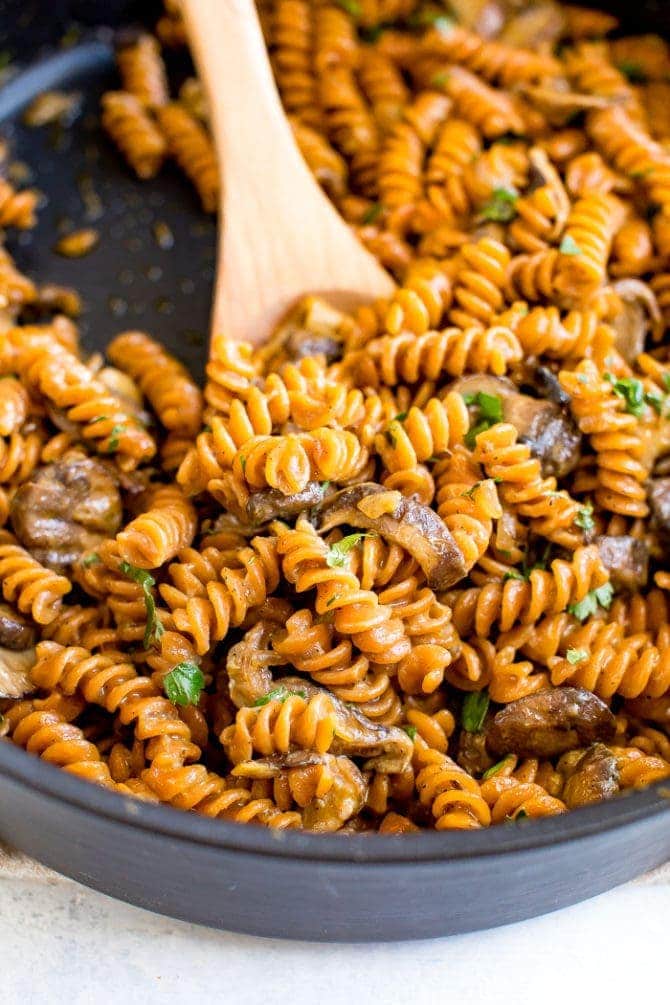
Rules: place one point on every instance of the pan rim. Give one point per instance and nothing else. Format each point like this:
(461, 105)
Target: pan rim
(364, 849)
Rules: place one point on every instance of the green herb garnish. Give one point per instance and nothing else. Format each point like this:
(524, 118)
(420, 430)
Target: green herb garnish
(632, 391)
(602, 597)
(514, 574)
(633, 72)
(501, 207)
(490, 411)
(278, 694)
(183, 684)
(91, 559)
(494, 769)
(475, 707)
(371, 214)
(584, 518)
(439, 79)
(115, 433)
(411, 732)
(656, 401)
(350, 6)
(400, 417)
(154, 628)
(569, 246)
(337, 553)
(576, 656)
(666, 381)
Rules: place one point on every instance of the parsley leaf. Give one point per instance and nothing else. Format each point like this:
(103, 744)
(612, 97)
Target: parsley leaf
(584, 518)
(352, 7)
(514, 574)
(154, 629)
(632, 391)
(569, 246)
(411, 731)
(338, 552)
(602, 597)
(400, 417)
(494, 769)
(634, 72)
(425, 18)
(91, 559)
(115, 433)
(475, 707)
(439, 79)
(575, 656)
(371, 214)
(183, 684)
(657, 401)
(666, 381)
(490, 411)
(277, 694)
(501, 207)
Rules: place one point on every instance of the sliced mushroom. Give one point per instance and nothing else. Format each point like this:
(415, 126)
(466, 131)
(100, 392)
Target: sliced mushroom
(15, 669)
(344, 798)
(386, 748)
(472, 754)
(310, 329)
(407, 522)
(248, 665)
(595, 777)
(538, 25)
(639, 314)
(15, 632)
(559, 104)
(658, 495)
(626, 559)
(548, 429)
(66, 509)
(548, 723)
(271, 503)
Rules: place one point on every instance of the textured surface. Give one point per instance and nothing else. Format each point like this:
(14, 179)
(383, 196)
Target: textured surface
(84, 948)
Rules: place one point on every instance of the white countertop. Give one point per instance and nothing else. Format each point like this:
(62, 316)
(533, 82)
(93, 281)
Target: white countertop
(60, 942)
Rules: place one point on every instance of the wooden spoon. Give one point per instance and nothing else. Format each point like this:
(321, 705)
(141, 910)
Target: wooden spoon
(279, 236)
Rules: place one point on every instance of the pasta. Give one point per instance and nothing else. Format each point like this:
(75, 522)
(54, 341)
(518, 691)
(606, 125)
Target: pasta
(400, 568)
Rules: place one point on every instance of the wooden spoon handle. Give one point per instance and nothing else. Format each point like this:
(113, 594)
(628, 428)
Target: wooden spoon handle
(282, 236)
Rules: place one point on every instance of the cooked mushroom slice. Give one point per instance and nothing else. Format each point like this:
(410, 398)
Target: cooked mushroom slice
(548, 430)
(15, 668)
(639, 315)
(548, 723)
(595, 777)
(626, 559)
(15, 632)
(272, 503)
(248, 665)
(346, 789)
(659, 502)
(559, 104)
(310, 329)
(407, 522)
(539, 24)
(472, 754)
(66, 509)
(386, 748)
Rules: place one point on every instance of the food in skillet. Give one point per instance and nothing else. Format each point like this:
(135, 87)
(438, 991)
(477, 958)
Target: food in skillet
(400, 569)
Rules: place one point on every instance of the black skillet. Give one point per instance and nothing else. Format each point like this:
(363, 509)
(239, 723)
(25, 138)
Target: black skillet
(354, 888)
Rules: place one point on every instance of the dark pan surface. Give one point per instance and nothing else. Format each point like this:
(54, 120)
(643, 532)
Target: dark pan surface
(358, 888)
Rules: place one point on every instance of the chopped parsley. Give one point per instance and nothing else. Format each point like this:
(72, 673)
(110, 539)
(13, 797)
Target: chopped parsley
(371, 214)
(99, 418)
(352, 7)
(633, 72)
(569, 246)
(411, 732)
(490, 411)
(514, 574)
(501, 207)
(584, 518)
(656, 401)
(576, 656)
(337, 553)
(278, 694)
(116, 431)
(154, 628)
(632, 391)
(400, 417)
(183, 684)
(427, 18)
(494, 769)
(439, 79)
(666, 381)
(475, 707)
(602, 597)
(91, 559)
